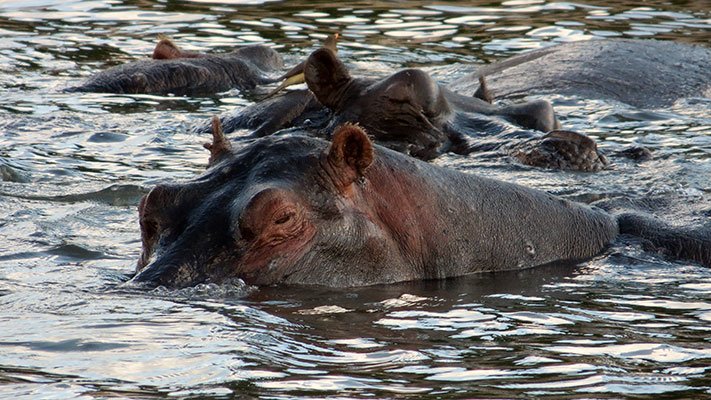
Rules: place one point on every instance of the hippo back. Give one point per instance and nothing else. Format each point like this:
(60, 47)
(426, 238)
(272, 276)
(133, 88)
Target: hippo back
(643, 73)
(242, 69)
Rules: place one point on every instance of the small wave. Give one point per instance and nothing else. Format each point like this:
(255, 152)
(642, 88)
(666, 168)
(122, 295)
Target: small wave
(638, 351)
(234, 288)
(114, 195)
(10, 172)
(69, 345)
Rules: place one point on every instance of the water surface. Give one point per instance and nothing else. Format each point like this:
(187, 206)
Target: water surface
(73, 167)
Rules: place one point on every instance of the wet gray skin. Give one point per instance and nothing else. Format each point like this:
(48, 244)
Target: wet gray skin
(643, 73)
(301, 210)
(202, 75)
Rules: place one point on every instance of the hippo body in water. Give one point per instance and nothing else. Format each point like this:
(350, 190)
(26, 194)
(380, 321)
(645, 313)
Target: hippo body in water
(409, 112)
(172, 71)
(643, 73)
(301, 210)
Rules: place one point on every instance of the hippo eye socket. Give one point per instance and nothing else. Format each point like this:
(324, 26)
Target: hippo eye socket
(270, 216)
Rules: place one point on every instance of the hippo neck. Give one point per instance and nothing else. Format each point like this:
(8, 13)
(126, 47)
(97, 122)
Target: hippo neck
(397, 199)
(340, 98)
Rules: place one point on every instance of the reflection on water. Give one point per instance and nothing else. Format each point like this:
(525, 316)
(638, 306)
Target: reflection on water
(72, 168)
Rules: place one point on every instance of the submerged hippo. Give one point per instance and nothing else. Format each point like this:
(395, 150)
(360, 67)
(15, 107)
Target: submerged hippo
(301, 210)
(173, 71)
(643, 73)
(409, 112)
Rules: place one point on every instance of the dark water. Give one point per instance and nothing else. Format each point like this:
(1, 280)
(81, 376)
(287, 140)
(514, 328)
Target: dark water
(72, 168)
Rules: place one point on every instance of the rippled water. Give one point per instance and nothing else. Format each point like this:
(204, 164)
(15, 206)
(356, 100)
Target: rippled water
(73, 167)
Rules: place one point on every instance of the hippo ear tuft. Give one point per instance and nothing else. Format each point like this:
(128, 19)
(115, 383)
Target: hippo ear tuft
(351, 149)
(220, 145)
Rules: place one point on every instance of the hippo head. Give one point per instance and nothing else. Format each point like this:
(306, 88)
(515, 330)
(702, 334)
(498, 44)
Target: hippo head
(405, 111)
(280, 210)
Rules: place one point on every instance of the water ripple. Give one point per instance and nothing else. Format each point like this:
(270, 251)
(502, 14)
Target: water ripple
(638, 351)
(73, 168)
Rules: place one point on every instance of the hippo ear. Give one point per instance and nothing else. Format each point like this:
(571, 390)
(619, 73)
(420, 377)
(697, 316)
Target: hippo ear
(166, 49)
(325, 74)
(483, 92)
(220, 145)
(351, 152)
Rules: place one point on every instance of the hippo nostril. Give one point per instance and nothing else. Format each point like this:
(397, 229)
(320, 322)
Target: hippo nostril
(530, 249)
(247, 234)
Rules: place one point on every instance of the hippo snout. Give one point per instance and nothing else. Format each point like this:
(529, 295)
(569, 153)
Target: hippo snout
(168, 274)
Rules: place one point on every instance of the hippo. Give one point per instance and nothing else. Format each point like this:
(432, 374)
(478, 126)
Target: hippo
(409, 112)
(642, 73)
(299, 210)
(173, 71)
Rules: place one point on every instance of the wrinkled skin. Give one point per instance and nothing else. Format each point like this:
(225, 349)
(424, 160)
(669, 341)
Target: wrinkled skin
(643, 73)
(188, 74)
(300, 210)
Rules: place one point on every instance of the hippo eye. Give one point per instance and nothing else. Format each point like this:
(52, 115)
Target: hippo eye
(284, 218)
(270, 216)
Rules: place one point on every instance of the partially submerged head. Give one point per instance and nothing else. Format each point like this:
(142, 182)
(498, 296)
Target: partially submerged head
(560, 149)
(405, 111)
(280, 210)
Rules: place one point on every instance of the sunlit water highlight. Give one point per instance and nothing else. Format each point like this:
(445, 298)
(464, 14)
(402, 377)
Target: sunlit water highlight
(72, 168)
